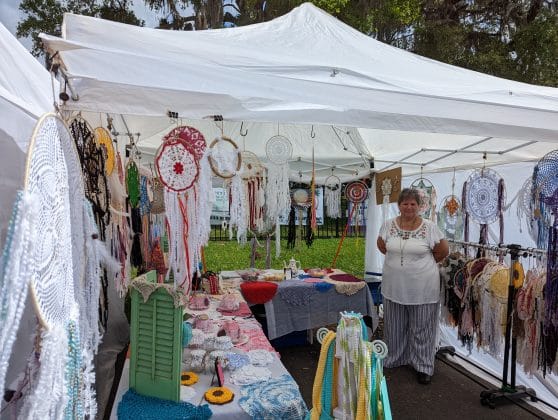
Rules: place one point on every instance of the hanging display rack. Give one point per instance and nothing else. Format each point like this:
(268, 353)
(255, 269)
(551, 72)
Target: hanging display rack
(509, 391)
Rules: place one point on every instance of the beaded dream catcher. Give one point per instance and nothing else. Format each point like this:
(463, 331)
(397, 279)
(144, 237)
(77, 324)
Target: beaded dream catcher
(332, 187)
(58, 375)
(427, 191)
(484, 196)
(104, 141)
(545, 202)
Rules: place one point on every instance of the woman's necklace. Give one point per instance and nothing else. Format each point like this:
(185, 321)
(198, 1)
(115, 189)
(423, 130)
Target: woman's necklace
(404, 236)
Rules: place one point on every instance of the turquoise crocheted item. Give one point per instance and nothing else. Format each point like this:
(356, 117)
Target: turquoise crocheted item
(327, 384)
(138, 407)
(323, 286)
(186, 333)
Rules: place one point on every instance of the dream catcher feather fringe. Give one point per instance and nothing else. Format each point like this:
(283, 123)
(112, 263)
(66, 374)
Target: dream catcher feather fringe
(15, 268)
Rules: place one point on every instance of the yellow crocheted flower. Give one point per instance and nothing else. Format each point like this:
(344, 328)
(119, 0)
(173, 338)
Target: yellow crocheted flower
(188, 378)
(219, 395)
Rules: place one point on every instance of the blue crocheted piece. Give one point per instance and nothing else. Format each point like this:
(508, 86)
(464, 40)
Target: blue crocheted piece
(139, 407)
(237, 360)
(278, 398)
(145, 204)
(323, 286)
(296, 292)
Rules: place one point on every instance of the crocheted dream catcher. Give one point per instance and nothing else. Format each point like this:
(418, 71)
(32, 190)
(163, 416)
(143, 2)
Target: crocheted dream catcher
(58, 375)
(356, 193)
(177, 164)
(545, 202)
(428, 197)
(278, 150)
(526, 213)
(253, 177)
(104, 141)
(450, 216)
(332, 186)
(484, 196)
(225, 160)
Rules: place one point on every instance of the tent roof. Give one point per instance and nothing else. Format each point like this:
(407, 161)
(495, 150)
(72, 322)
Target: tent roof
(304, 68)
(25, 90)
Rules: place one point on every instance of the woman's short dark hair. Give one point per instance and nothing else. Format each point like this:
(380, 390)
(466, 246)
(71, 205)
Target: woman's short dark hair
(409, 194)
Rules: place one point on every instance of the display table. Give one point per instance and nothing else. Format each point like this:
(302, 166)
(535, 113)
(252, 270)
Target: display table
(253, 339)
(299, 306)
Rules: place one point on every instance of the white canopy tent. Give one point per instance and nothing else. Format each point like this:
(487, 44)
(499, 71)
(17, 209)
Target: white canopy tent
(304, 73)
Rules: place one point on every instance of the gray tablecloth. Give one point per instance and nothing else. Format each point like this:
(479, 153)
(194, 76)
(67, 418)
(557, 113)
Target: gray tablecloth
(288, 310)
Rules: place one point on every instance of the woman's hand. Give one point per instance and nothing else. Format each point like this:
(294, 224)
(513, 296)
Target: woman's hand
(381, 245)
(440, 250)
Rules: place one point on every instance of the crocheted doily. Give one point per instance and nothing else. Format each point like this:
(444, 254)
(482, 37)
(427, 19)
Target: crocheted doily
(105, 142)
(249, 374)
(356, 192)
(177, 165)
(279, 150)
(191, 136)
(48, 182)
(278, 398)
(147, 288)
(482, 196)
(260, 357)
(346, 288)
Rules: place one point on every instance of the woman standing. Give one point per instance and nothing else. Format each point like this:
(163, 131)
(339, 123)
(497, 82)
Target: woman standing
(411, 286)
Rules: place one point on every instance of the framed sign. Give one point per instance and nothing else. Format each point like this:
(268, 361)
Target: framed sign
(388, 183)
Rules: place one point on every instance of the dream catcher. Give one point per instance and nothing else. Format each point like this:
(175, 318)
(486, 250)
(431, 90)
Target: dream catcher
(545, 204)
(526, 213)
(177, 168)
(332, 186)
(450, 216)
(301, 201)
(92, 159)
(484, 197)
(104, 141)
(45, 249)
(278, 150)
(253, 176)
(427, 191)
(356, 193)
(226, 163)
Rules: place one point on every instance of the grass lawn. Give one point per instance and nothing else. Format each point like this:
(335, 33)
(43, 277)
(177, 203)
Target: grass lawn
(229, 255)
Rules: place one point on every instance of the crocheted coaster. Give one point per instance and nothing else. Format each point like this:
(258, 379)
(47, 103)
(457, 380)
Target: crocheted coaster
(258, 292)
(135, 406)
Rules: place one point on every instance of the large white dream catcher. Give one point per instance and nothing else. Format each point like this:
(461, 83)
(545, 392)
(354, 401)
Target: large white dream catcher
(183, 169)
(279, 151)
(48, 249)
(484, 198)
(225, 160)
(332, 186)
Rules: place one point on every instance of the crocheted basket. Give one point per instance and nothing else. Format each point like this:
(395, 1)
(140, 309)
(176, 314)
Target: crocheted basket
(258, 292)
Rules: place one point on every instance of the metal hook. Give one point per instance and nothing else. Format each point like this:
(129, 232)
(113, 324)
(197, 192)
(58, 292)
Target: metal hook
(245, 133)
(312, 134)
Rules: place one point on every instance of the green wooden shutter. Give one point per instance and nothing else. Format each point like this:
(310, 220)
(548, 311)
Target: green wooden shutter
(156, 345)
